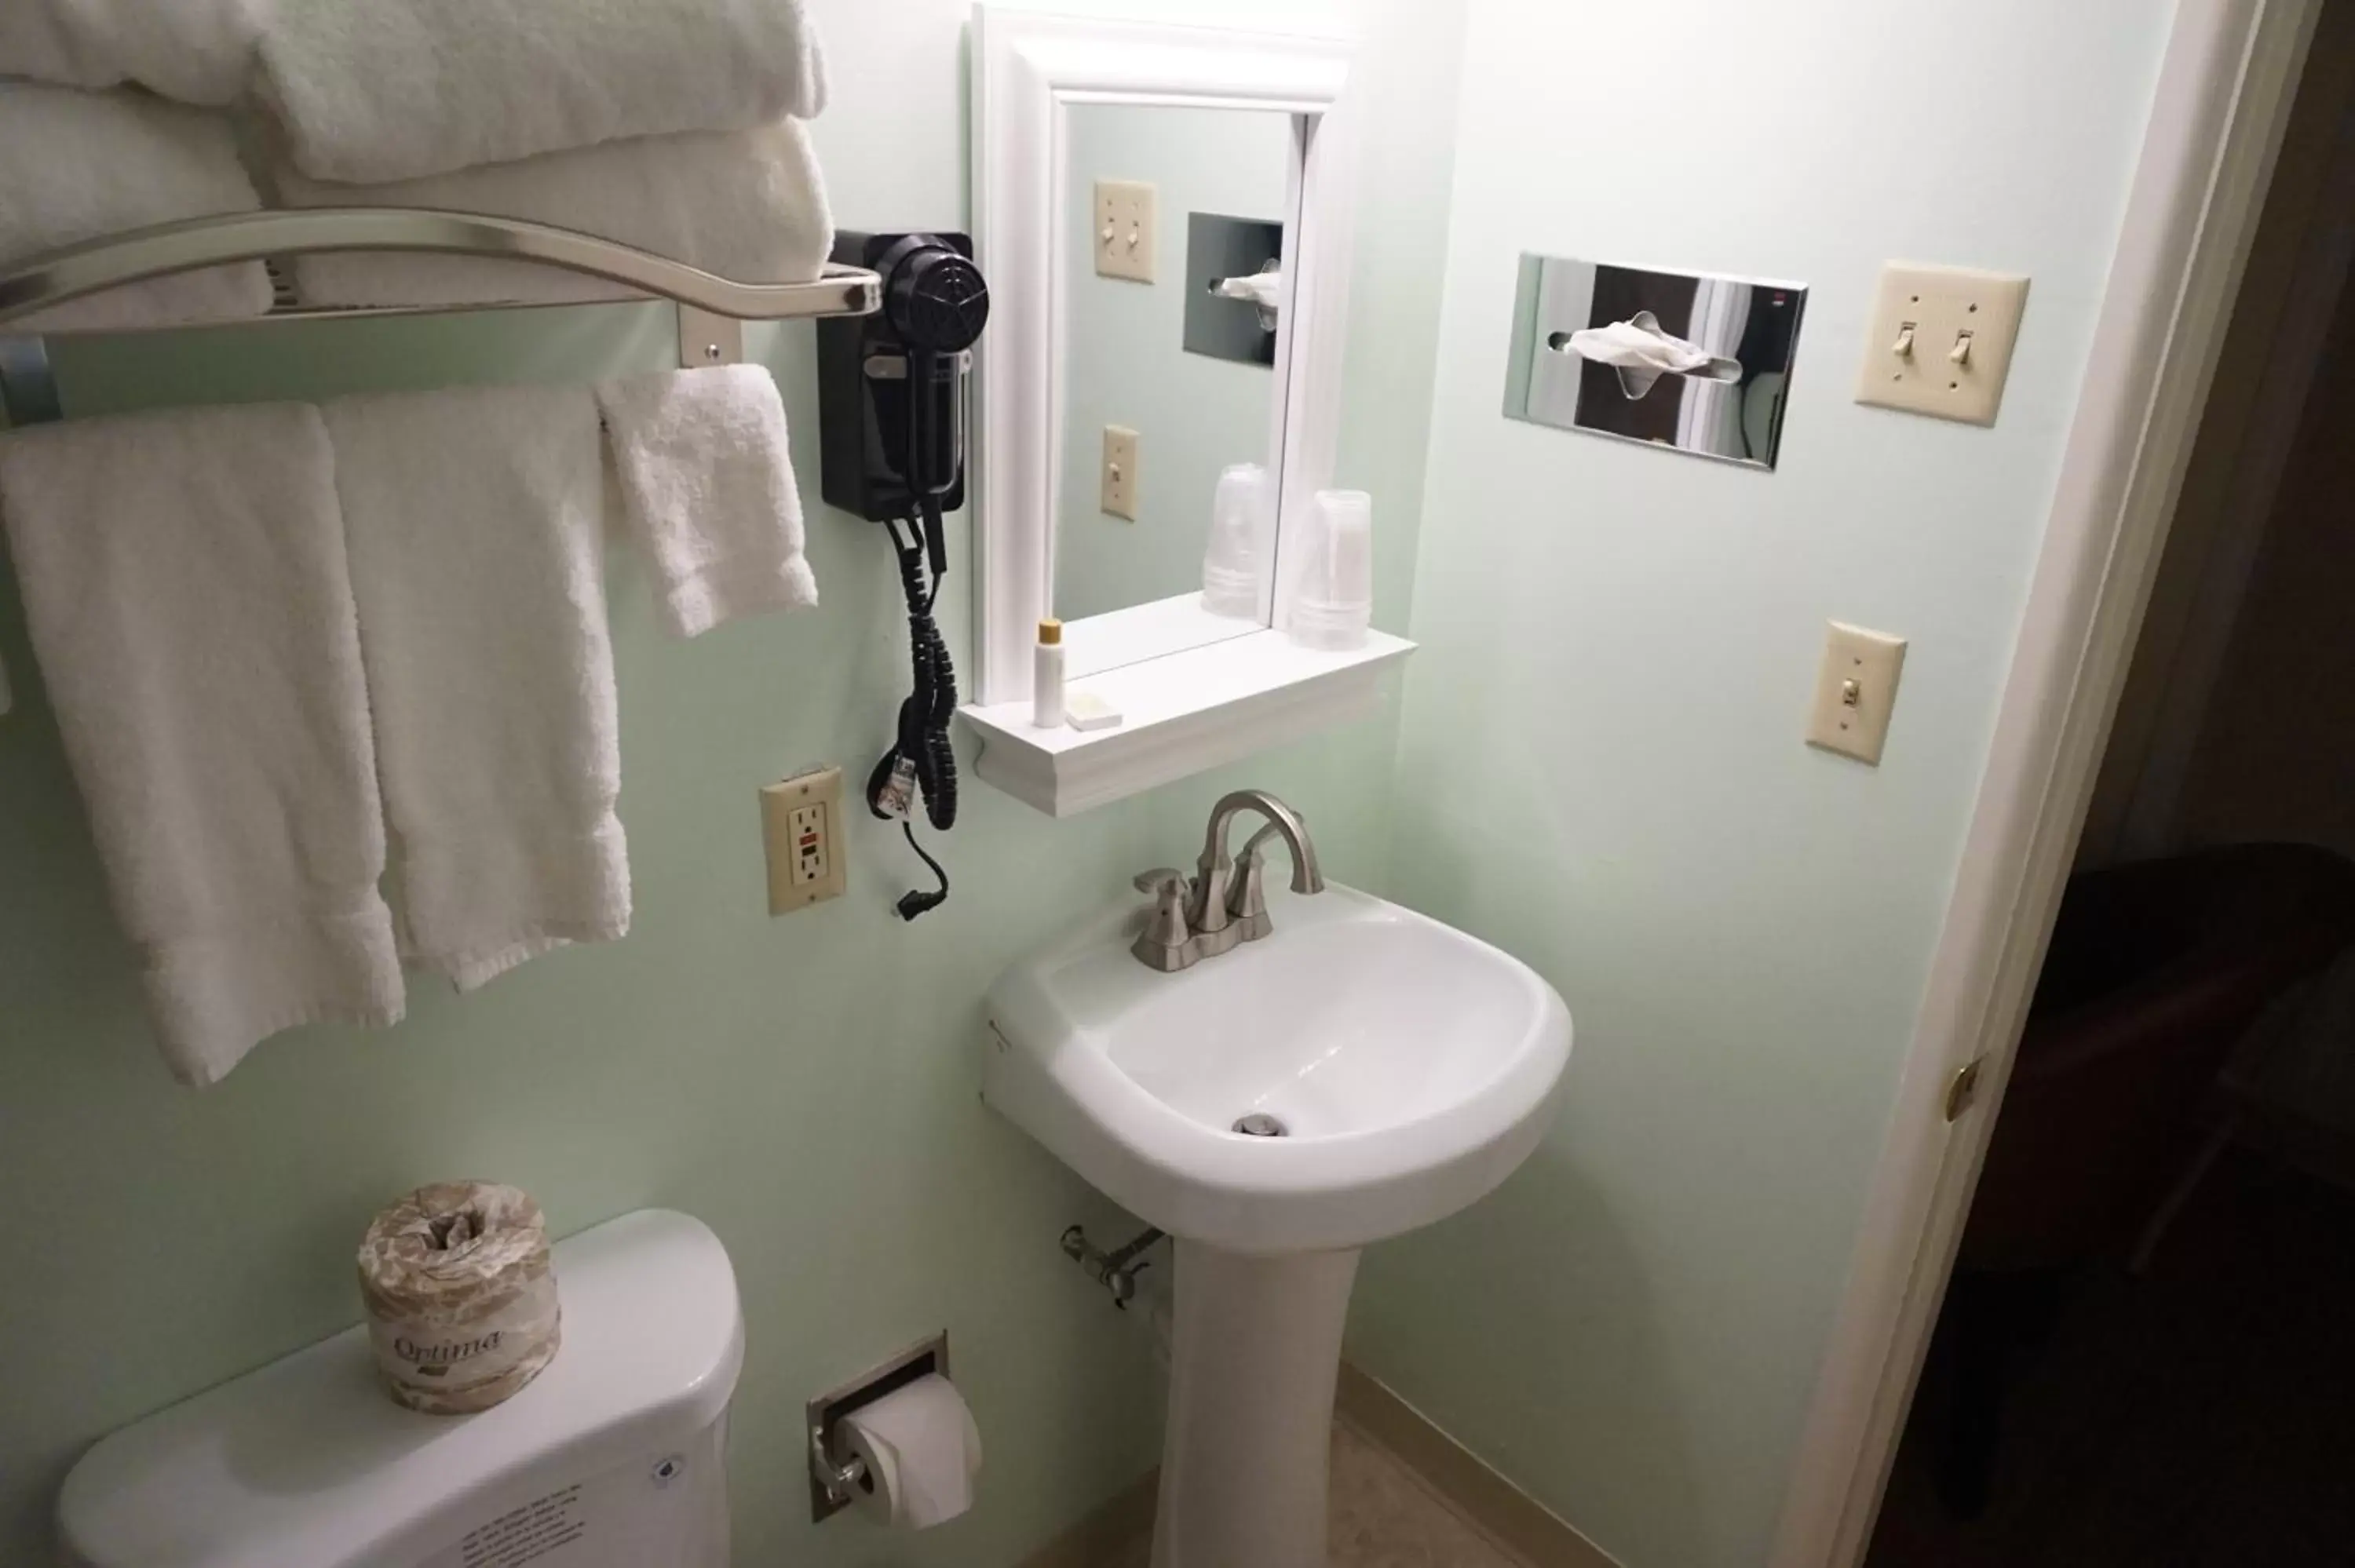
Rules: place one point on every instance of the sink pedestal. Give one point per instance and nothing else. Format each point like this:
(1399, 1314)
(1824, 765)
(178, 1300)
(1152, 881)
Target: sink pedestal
(1244, 1467)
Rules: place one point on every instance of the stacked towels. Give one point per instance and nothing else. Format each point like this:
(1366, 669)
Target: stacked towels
(249, 616)
(377, 93)
(75, 165)
(672, 125)
(197, 51)
(747, 204)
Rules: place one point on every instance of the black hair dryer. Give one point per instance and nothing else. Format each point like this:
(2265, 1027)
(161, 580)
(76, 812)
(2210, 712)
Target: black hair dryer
(892, 430)
(891, 386)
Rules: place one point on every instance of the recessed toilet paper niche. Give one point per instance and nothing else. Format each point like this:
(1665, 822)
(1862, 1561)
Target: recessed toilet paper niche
(1690, 362)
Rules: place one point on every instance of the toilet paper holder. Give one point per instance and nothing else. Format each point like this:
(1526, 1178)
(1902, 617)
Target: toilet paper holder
(838, 1478)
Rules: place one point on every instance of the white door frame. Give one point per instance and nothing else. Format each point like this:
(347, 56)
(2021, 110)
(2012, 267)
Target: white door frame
(2222, 102)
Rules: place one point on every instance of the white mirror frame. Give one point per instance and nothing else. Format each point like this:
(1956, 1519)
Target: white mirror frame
(1029, 68)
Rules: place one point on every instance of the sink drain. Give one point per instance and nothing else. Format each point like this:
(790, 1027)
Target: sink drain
(1259, 1124)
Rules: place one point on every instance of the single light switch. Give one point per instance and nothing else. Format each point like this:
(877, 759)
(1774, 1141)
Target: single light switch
(1856, 692)
(1940, 342)
(1120, 471)
(1126, 227)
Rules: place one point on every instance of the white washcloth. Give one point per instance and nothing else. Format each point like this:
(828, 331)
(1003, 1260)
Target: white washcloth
(1642, 353)
(199, 51)
(707, 492)
(376, 92)
(76, 165)
(747, 204)
(475, 519)
(186, 585)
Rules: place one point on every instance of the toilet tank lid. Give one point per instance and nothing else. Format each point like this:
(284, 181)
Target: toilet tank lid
(308, 1463)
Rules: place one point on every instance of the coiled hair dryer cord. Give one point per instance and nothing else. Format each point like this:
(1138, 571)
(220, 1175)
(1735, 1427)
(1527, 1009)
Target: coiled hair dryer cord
(920, 761)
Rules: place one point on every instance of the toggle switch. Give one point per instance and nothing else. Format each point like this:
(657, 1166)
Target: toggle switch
(1903, 348)
(1961, 353)
(1856, 692)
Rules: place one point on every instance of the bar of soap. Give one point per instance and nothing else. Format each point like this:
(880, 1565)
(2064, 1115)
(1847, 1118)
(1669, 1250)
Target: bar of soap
(1086, 710)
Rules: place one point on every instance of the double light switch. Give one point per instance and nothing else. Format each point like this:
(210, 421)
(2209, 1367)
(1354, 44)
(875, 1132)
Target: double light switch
(1940, 342)
(1124, 229)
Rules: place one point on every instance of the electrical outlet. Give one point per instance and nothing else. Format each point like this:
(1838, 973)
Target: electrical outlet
(1125, 229)
(1942, 340)
(1856, 691)
(801, 826)
(1120, 471)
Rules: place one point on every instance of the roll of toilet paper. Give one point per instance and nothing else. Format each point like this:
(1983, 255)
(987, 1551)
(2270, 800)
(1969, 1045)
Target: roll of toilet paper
(460, 1295)
(923, 1452)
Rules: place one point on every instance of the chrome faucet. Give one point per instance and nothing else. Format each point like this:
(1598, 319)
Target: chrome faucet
(1225, 901)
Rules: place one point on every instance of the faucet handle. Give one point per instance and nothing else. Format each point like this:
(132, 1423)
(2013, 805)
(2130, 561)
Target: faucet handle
(1247, 897)
(1166, 944)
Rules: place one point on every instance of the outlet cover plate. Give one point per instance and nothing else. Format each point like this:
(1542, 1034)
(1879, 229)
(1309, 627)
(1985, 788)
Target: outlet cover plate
(1126, 227)
(1856, 692)
(790, 809)
(1933, 310)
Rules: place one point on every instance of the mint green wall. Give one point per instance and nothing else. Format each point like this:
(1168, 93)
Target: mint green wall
(1602, 733)
(808, 1085)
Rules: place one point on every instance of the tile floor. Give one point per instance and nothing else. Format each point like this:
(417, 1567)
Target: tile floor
(1384, 1516)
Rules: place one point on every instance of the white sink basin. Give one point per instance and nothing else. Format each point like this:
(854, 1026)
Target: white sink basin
(1410, 1069)
(1413, 1068)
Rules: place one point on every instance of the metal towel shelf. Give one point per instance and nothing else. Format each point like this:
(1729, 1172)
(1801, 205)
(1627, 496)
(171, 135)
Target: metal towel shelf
(711, 308)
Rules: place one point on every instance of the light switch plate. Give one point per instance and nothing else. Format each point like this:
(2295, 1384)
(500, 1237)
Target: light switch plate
(1856, 692)
(1924, 316)
(1125, 229)
(801, 827)
(1120, 471)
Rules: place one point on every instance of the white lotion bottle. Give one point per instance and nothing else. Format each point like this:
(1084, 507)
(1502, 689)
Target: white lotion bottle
(1047, 676)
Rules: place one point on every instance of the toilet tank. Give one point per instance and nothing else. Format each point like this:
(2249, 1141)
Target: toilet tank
(611, 1458)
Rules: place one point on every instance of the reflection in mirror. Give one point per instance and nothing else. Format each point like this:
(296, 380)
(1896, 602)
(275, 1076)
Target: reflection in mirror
(1198, 401)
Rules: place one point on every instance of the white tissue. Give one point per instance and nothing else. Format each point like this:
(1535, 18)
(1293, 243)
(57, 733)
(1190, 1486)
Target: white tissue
(1265, 290)
(1643, 354)
(921, 1450)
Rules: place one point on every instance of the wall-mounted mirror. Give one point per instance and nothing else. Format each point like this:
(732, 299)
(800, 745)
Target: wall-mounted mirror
(1158, 209)
(1136, 291)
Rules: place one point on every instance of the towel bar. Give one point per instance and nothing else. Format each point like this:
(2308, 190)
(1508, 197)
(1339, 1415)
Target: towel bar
(711, 308)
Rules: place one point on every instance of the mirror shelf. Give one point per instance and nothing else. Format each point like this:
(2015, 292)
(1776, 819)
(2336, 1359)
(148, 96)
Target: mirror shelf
(1181, 714)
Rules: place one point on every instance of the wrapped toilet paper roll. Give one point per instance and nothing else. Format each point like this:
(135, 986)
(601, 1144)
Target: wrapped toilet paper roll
(923, 1452)
(460, 1295)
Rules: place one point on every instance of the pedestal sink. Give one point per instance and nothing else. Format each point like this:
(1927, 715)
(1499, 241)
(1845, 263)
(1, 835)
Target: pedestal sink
(1357, 1072)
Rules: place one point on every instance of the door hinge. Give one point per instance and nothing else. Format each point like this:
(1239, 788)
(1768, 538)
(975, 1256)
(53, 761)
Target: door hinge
(1963, 1091)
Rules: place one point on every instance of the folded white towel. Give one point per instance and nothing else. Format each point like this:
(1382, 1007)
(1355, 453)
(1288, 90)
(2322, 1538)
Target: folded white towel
(708, 491)
(185, 584)
(748, 205)
(199, 51)
(378, 92)
(475, 520)
(76, 165)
